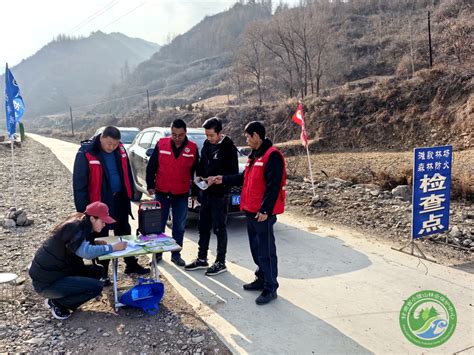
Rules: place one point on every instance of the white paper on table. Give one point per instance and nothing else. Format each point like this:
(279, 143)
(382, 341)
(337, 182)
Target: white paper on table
(127, 250)
(133, 243)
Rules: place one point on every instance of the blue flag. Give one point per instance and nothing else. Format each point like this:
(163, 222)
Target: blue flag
(14, 106)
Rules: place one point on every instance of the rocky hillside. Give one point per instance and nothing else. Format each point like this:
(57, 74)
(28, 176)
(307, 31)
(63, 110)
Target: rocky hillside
(434, 107)
(380, 113)
(313, 48)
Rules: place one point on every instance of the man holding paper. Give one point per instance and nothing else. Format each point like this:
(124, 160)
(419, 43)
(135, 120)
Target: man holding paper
(218, 157)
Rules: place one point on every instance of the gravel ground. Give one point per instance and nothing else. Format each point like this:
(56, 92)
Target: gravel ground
(363, 199)
(44, 191)
(381, 215)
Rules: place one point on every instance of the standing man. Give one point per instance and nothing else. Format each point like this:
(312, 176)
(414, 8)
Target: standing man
(169, 174)
(102, 172)
(218, 157)
(263, 197)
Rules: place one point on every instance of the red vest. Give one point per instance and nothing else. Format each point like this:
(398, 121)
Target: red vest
(254, 185)
(174, 175)
(96, 173)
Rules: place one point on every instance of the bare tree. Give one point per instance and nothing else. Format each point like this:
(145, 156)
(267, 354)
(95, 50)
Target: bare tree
(170, 36)
(236, 78)
(458, 39)
(273, 38)
(252, 58)
(297, 43)
(310, 28)
(319, 48)
(410, 36)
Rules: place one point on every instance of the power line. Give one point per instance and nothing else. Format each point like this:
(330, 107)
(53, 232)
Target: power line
(128, 13)
(95, 15)
(141, 93)
(112, 100)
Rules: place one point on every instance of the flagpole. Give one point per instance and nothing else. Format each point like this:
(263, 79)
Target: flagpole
(310, 171)
(298, 118)
(13, 172)
(14, 108)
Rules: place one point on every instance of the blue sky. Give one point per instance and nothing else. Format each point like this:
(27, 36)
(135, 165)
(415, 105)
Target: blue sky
(28, 25)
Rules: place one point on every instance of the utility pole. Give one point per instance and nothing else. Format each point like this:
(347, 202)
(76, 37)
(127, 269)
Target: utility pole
(148, 99)
(429, 40)
(72, 124)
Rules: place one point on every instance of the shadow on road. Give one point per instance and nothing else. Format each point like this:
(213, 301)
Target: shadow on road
(282, 324)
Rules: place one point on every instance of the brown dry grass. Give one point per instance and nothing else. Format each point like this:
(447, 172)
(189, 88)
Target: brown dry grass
(386, 169)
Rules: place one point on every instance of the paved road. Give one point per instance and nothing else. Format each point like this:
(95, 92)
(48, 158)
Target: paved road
(339, 293)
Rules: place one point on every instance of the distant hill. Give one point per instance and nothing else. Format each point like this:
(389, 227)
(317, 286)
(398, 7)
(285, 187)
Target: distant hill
(315, 47)
(194, 63)
(77, 71)
(377, 88)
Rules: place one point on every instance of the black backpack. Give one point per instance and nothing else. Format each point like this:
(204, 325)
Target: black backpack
(149, 218)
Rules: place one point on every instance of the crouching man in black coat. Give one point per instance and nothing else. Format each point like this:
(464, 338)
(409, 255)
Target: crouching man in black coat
(58, 271)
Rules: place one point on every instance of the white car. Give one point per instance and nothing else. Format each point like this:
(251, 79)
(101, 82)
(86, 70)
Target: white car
(127, 134)
(142, 148)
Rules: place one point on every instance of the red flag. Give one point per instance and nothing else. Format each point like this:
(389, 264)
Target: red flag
(298, 116)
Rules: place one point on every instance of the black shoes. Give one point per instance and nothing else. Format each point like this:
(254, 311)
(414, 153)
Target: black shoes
(178, 261)
(216, 268)
(136, 269)
(57, 311)
(106, 281)
(197, 264)
(256, 285)
(266, 297)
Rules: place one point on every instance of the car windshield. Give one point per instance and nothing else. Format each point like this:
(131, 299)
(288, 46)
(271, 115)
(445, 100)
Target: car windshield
(197, 138)
(127, 136)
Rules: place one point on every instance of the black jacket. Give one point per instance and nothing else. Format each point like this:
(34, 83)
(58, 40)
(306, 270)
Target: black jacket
(273, 175)
(56, 258)
(80, 178)
(218, 159)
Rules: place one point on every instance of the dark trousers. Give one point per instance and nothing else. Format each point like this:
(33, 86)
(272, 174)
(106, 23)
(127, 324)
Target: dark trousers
(213, 215)
(179, 210)
(119, 211)
(72, 291)
(263, 249)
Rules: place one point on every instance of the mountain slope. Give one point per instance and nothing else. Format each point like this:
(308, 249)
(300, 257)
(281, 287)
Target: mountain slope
(193, 63)
(77, 72)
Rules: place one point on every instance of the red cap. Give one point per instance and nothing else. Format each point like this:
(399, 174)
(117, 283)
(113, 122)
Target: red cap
(99, 209)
